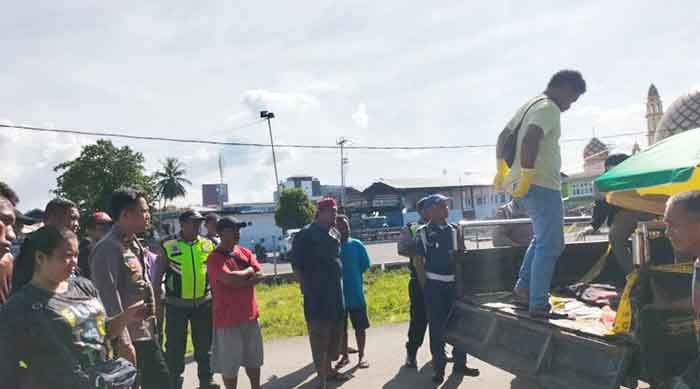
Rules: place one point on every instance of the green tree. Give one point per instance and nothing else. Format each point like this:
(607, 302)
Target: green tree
(101, 168)
(171, 180)
(294, 210)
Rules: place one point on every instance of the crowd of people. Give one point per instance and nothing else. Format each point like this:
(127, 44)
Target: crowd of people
(95, 313)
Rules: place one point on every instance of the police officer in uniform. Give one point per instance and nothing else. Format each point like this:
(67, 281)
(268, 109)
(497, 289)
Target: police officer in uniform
(418, 319)
(436, 244)
(188, 298)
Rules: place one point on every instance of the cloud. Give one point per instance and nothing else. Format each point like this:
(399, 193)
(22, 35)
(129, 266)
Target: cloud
(625, 118)
(437, 80)
(297, 103)
(318, 87)
(27, 160)
(360, 116)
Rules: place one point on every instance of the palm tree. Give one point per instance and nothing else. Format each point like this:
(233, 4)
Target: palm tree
(171, 180)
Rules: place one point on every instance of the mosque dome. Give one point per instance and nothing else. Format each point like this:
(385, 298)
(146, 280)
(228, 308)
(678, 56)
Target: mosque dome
(682, 115)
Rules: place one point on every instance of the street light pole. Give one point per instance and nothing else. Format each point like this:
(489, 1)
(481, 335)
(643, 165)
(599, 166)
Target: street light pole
(341, 142)
(270, 115)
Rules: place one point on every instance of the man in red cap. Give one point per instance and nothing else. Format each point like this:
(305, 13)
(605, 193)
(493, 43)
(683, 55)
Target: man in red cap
(315, 258)
(98, 225)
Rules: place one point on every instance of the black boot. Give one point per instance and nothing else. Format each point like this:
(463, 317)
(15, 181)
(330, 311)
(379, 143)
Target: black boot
(461, 368)
(439, 376)
(208, 384)
(411, 361)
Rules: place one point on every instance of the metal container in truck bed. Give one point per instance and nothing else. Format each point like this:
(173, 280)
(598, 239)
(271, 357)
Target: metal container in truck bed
(561, 353)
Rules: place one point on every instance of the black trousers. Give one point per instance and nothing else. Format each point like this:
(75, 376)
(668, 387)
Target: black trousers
(200, 321)
(153, 371)
(419, 319)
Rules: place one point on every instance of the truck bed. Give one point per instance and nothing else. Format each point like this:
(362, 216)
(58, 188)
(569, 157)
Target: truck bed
(549, 351)
(584, 325)
(573, 354)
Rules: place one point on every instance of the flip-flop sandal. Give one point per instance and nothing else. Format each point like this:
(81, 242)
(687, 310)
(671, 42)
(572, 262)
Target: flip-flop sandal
(342, 363)
(363, 365)
(339, 377)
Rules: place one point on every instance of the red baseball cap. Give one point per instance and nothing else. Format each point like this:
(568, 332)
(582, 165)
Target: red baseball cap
(101, 218)
(326, 202)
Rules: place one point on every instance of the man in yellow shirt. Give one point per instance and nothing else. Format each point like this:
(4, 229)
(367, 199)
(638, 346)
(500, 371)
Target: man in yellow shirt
(534, 181)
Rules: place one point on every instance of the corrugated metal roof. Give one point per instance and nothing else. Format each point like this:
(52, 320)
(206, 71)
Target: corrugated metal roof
(438, 182)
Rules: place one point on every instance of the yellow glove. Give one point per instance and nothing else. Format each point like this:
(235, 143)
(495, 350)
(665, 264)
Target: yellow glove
(501, 173)
(524, 183)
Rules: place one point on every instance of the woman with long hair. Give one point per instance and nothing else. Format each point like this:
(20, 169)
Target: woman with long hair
(53, 329)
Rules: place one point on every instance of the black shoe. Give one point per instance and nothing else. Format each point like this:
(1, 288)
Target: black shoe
(208, 384)
(411, 361)
(439, 376)
(464, 370)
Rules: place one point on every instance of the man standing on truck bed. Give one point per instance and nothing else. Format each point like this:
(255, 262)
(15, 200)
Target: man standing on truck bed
(534, 181)
(682, 220)
(418, 319)
(436, 244)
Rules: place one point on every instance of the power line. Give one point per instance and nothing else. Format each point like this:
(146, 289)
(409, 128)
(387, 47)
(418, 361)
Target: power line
(289, 146)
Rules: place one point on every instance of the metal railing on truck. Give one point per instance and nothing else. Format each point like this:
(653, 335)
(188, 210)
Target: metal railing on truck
(481, 230)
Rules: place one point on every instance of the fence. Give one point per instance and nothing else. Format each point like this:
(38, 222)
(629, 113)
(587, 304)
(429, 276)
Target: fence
(375, 235)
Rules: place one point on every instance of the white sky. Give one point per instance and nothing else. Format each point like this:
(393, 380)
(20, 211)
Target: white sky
(379, 73)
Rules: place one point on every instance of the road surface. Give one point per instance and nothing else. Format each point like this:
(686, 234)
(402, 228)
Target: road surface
(386, 253)
(378, 252)
(288, 365)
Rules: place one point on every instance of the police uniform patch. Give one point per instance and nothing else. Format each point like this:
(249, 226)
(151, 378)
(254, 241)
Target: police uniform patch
(207, 246)
(172, 247)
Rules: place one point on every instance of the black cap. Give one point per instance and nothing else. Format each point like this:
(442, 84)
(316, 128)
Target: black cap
(191, 214)
(230, 222)
(420, 203)
(24, 219)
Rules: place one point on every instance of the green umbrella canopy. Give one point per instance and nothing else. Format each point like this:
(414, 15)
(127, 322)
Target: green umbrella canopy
(671, 161)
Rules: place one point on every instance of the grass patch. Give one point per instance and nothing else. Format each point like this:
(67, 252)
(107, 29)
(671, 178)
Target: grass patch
(282, 310)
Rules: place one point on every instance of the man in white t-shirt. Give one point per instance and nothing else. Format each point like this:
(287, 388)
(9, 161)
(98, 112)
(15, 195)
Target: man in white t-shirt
(534, 181)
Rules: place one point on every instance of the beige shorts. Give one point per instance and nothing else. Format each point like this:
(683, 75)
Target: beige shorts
(233, 347)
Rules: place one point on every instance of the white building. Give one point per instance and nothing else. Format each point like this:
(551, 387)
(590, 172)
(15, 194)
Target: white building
(261, 216)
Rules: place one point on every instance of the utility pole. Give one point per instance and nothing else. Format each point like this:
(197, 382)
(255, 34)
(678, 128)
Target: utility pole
(220, 192)
(343, 161)
(271, 115)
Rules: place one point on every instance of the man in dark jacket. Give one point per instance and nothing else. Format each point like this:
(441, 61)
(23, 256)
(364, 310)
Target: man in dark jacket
(316, 262)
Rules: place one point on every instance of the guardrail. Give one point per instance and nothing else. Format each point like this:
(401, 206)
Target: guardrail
(390, 234)
(481, 230)
(290, 277)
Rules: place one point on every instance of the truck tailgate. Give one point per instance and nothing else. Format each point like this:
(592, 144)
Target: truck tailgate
(553, 357)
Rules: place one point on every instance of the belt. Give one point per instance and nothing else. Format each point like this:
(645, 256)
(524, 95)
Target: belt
(440, 277)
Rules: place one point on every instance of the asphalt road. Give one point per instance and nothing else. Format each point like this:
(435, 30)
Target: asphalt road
(381, 253)
(378, 252)
(288, 365)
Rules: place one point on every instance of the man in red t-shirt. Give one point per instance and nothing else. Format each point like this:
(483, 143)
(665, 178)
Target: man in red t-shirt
(233, 272)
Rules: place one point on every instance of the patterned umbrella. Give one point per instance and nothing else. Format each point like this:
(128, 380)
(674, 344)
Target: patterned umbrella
(666, 168)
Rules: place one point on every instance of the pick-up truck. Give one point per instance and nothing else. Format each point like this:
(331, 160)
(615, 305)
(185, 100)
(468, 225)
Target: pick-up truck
(573, 353)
